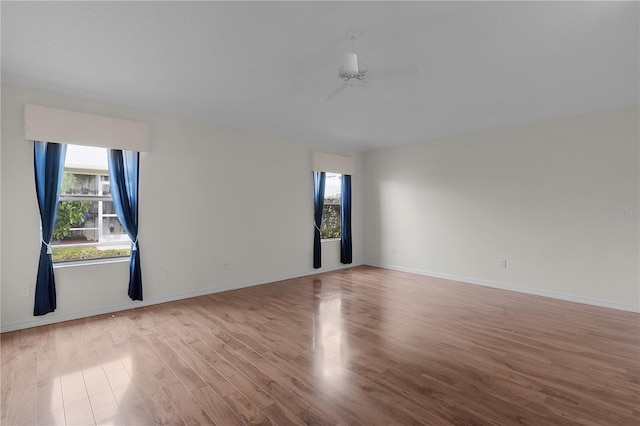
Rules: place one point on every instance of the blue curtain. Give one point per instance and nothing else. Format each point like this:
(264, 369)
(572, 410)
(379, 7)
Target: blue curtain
(318, 202)
(345, 221)
(48, 166)
(124, 172)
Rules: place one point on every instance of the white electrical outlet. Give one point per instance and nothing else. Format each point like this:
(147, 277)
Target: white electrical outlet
(503, 264)
(24, 291)
(226, 265)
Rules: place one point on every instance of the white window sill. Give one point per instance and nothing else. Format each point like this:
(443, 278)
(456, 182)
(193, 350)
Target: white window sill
(328, 240)
(89, 262)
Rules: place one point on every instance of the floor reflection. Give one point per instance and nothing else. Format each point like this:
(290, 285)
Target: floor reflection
(81, 380)
(330, 339)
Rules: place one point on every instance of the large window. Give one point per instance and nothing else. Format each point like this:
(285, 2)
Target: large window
(330, 227)
(86, 223)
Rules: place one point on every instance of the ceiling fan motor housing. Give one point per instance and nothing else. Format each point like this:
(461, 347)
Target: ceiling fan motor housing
(347, 75)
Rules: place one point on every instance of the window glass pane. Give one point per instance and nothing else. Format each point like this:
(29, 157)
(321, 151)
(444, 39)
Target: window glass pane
(330, 227)
(113, 232)
(79, 184)
(86, 158)
(76, 222)
(332, 188)
(108, 208)
(106, 188)
(87, 252)
(87, 229)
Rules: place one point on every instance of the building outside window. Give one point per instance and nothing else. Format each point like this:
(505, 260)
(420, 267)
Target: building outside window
(330, 227)
(87, 226)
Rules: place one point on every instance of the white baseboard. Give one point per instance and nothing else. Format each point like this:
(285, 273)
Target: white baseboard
(510, 287)
(47, 319)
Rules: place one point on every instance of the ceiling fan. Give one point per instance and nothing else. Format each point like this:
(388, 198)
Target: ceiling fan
(353, 72)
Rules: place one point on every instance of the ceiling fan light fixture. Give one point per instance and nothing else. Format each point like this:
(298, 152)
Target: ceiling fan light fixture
(355, 73)
(351, 63)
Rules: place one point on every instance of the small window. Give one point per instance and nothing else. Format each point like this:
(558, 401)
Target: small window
(330, 227)
(87, 226)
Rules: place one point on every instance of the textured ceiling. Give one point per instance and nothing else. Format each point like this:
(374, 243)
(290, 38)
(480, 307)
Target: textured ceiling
(269, 66)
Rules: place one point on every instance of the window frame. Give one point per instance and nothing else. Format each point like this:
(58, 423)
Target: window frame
(100, 198)
(333, 203)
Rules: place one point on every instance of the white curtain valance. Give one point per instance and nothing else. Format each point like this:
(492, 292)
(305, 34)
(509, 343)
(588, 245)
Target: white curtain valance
(322, 162)
(47, 124)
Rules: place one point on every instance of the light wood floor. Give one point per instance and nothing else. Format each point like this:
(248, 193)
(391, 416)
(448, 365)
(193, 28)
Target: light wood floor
(367, 346)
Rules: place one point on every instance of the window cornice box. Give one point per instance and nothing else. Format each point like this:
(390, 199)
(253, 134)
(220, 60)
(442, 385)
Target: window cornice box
(48, 124)
(323, 162)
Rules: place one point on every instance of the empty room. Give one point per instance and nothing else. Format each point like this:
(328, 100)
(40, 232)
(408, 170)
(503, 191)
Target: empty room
(320, 213)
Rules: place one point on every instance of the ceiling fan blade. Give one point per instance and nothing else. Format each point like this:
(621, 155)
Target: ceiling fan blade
(378, 92)
(395, 72)
(336, 91)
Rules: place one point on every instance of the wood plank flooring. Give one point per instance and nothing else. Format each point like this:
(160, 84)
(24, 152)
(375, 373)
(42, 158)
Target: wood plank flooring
(365, 346)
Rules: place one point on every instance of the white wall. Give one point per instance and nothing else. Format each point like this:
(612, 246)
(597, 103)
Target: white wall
(208, 195)
(535, 195)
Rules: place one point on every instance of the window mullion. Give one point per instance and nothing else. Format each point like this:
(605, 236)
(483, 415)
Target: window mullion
(100, 230)
(85, 198)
